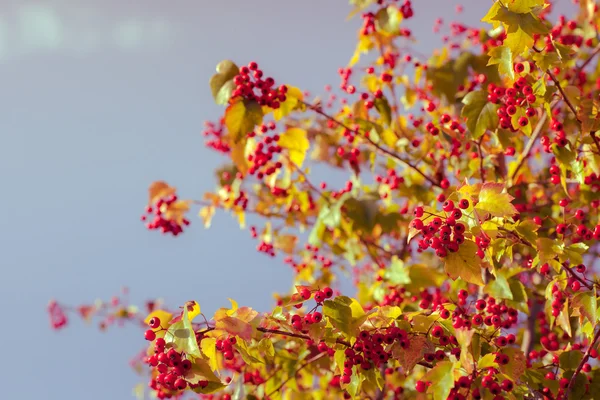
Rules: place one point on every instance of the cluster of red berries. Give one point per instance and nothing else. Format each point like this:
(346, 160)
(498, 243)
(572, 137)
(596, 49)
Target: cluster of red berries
(369, 351)
(391, 179)
(225, 346)
(159, 222)
(262, 158)
(487, 312)
(441, 235)
(215, 133)
(560, 137)
(520, 95)
(251, 86)
(171, 366)
(313, 257)
(301, 323)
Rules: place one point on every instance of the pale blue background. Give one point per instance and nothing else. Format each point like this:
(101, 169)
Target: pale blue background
(97, 100)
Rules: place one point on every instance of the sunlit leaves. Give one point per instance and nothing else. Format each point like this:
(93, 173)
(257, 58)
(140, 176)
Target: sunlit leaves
(221, 83)
(208, 347)
(182, 335)
(442, 380)
(296, 142)
(502, 56)
(517, 363)
(589, 115)
(520, 27)
(388, 20)
(241, 117)
(465, 264)
(481, 114)
(494, 199)
(293, 101)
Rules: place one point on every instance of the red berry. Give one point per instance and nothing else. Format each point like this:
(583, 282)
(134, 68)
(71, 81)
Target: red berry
(150, 335)
(154, 322)
(420, 386)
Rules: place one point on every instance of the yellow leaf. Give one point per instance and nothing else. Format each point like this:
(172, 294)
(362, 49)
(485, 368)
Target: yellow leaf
(465, 263)
(241, 117)
(293, 96)
(286, 243)
(206, 213)
(238, 156)
(158, 190)
(209, 349)
(234, 307)
(295, 140)
(493, 200)
(164, 317)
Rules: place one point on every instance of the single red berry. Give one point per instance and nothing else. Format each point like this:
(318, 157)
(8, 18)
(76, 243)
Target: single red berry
(154, 322)
(328, 292)
(420, 386)
(150, 335)
(519, 67)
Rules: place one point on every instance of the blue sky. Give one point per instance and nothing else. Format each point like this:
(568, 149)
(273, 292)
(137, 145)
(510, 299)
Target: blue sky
(100, 98)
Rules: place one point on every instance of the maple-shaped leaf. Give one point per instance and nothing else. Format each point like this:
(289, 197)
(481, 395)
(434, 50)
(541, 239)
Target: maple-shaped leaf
(503, 58)
(481, 115)
(296, 141)
(409, 357)
(589, 115)
(221, 83)
(241, 117)
(494, 200)
(293, 101)
(159, 190)
(465, 263)
(201, 372)
(442, 380)
(524, 6)
(520, 27)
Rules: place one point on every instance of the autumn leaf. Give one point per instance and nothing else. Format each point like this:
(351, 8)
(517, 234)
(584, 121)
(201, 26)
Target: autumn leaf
(388, 19)
(502, 56)
(442, 380)
(181, 335)
(494, 200)
(295, 140)
(293, 100)
(523, 6)
(221, 83)
(159, 190)
(520, 27)
(241, 117)
(481, 114)
(465, 263)
(208, 347)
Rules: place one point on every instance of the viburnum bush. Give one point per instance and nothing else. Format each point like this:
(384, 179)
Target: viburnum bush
(468, 219)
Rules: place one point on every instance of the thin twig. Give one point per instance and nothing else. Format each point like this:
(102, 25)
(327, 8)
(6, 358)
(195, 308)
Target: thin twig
(304, 365)
(585, 358)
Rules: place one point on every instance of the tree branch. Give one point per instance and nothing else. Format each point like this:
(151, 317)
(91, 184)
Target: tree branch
(586, 356)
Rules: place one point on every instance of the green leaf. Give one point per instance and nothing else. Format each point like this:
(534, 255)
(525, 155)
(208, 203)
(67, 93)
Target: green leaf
(383, 106)
(502, 56)
(465, 264)
(201, 371)
(487, 361)
(545, 61)
(563, 319)
(339, 313)
(495, 201)
(499, 287)
(241, 117)
(293, 101)
(182, 335)
(520, 28)
(388, 19)
(397, 273)
(524, 6)
(221, 83)
(587, 305)
(481, 114)
(442, 380)
(589, 115)
(296, 141)
(570, 359)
